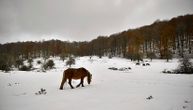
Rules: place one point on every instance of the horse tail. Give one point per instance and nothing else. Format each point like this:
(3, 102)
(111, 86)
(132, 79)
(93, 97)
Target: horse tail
(63, 81)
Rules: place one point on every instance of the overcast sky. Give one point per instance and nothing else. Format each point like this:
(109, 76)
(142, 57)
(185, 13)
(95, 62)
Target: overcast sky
(79, 20)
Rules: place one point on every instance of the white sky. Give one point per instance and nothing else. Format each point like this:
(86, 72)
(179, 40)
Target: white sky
(79, 20)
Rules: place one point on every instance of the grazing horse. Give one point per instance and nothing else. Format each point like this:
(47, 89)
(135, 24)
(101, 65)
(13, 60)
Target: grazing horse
(73, 73)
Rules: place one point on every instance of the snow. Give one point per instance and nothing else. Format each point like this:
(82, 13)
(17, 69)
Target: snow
(141, 88)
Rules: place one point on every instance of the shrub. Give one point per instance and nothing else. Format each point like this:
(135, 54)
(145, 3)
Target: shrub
(137, 63)
(147, 64)
(185, 66)
(70, 61)
(39, 62)
(113, 68)
(24, 68)
(5, 67)
(48, 65)
(41, 92)
(167, 71)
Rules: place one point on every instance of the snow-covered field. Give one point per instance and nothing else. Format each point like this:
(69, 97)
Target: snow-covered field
(141, 88)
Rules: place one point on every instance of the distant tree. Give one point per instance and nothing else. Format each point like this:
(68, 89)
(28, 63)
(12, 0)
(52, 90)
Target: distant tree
(110, 56)
(30, 61)
(45, 58)
(168, 56)
(166, 33)
(63, 55)
(18, 63)
(138, 57)
(151, 55)
(70, 61)
(5, 62)
(180, 34)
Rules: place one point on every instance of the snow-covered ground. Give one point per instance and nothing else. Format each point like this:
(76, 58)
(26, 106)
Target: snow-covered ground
(141, 88)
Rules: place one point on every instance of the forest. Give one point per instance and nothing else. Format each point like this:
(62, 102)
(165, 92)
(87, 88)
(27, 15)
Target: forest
(164, 39)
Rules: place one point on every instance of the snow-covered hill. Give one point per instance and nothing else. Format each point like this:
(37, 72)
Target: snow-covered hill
(141, 88)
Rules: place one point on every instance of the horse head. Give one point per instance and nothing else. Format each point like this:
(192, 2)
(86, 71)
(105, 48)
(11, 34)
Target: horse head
(89, 78)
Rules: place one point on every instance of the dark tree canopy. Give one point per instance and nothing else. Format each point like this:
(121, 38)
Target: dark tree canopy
(162, 39)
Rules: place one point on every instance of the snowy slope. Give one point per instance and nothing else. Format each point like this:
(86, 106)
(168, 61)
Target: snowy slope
(141, 88)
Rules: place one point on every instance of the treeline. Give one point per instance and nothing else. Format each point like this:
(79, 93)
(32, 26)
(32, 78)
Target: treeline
(162, 39)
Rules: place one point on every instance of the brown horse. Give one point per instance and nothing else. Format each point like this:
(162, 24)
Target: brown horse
(72, 73)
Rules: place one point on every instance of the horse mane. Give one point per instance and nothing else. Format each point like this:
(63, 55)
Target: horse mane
(84, 70)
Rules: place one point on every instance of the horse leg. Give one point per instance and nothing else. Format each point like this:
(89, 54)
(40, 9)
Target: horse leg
(78, 84)
(62, 83)
(81, 81)
(70, 84)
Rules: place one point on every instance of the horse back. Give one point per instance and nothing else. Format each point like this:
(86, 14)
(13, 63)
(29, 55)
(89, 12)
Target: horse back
(73, 73)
